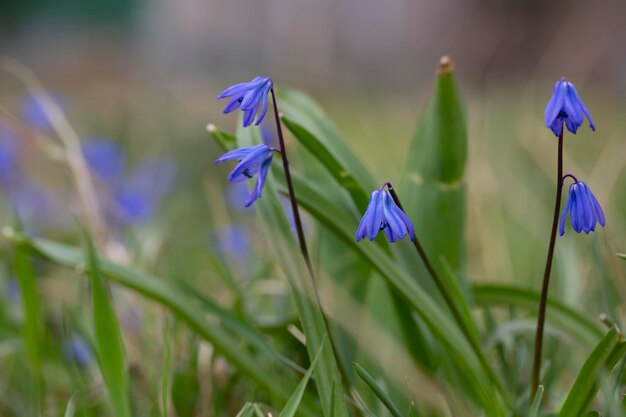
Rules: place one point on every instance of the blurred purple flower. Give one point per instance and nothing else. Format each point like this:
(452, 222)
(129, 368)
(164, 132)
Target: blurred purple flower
(253, 160)
(77, 350)
(565, 106)
(138, 197)
(13, 291)
(236, 195)
(250, 97)
(583, 208)
(9, 156)
(34, 114)
(383, 214)
(106, 158)
(232, 241)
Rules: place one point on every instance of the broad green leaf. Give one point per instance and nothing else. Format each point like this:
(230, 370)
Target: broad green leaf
(596, 368)
(377, 389)
(224, 139)
(438, 321)
(622, 255)
(294, 401)
(433, 187)
(109, 344)
(282, 241)
(576, 323)
(170, 297)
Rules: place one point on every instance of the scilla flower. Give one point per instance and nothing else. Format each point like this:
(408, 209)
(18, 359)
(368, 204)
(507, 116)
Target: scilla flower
(584, 210)
(566, 107)
(249, 97)
(383, 214)
(253, 160)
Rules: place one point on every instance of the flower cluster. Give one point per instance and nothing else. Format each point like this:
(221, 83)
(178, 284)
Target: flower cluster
(566, 108)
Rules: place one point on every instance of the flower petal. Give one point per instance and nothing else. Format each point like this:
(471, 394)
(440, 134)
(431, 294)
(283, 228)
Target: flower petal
(376, 215)
(239, 153)
(394, 223)
(554, 106)
(568, 205)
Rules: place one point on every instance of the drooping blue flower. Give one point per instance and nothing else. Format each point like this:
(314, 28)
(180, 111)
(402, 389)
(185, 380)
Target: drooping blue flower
(106, 159)
(383, 214)
(77, 350)
(35, 115)
(583, 208)
(565, 106)
(253, 160)
(249, 97)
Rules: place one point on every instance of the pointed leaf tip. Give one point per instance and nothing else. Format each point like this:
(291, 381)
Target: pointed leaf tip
(446, 66)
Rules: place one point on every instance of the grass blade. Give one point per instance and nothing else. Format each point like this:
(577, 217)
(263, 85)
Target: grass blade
(377, 389)
(536, 404)
(33, 330)
(294, 401)
(622, 255)
(70, 408)
(596, 368)
(109, 344)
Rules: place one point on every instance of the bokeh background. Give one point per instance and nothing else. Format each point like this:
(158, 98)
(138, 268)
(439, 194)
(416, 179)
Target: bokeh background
(137, 81)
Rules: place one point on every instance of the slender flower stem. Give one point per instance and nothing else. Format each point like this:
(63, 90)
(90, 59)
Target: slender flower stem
(571, 176)
(450, 302)
(541, 316)
(292, 193)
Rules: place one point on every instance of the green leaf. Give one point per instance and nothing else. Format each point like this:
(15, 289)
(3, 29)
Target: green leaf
(282, 241)
(622, 255)
(70, 408)
(109, 344)
(298, 107)
(294, 401)
(185, 392)
(574, 322)
(223, 138)
(325, 155)
(377, 389)
(433, 187)
(596, 368)
(536, 404)
(170, 297)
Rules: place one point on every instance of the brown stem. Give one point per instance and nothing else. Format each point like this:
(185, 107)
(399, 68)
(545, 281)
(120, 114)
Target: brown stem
(541, 316)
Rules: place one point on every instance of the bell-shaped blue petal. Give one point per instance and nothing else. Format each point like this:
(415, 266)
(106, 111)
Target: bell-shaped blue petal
(583, 209)
(253, 160)
(250, 97)
(565, 106)
(383, 214)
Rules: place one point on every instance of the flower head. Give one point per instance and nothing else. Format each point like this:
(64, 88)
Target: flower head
(566, 107)
(253, 160)
(583, 208)
(383, 214)
(249, 96)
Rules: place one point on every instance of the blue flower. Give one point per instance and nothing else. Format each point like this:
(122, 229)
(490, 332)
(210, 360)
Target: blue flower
(34, 113)
(253, 160)
(383, 214)
(249, 97)
(566, 107)
(584, 210)
(77, 350)
(106, 158)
